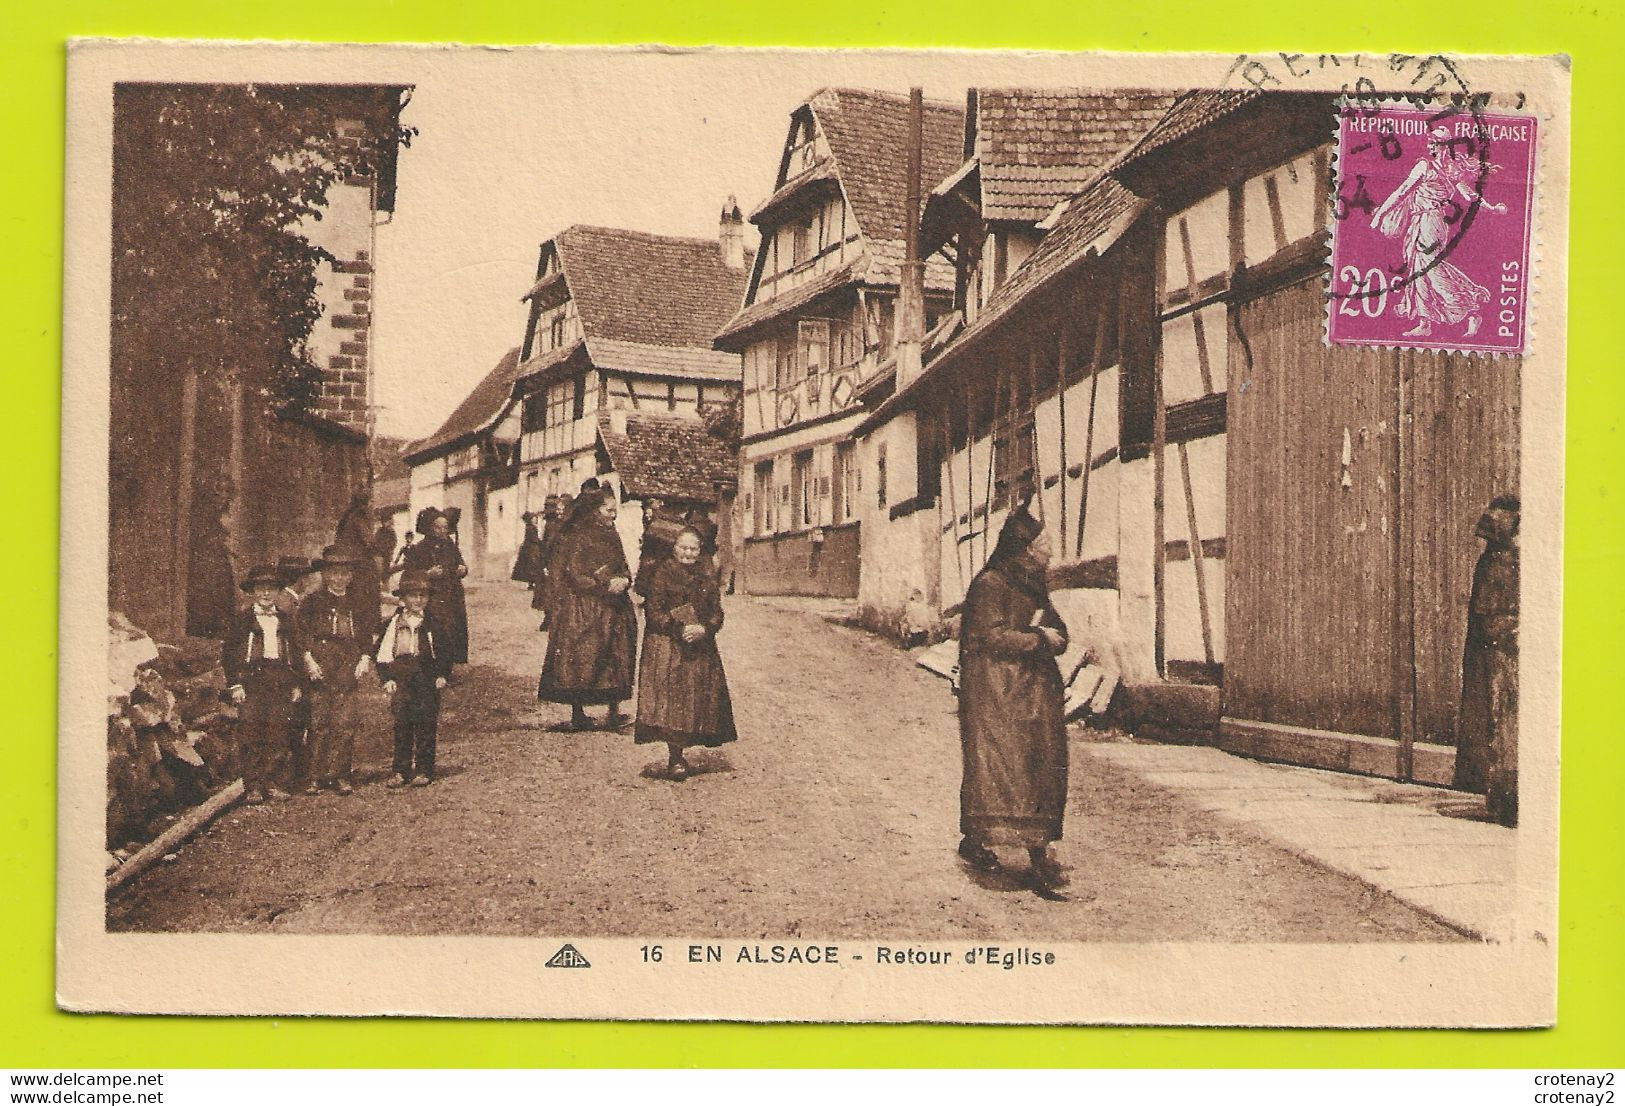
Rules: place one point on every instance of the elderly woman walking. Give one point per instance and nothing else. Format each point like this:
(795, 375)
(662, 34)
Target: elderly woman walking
(682, 691)
(592, 628)
(1012, 726)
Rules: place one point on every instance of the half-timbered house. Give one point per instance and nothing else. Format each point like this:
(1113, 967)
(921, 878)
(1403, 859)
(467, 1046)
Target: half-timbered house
(819, 316)
(1277, 528)
(617, 363)
(470, 464)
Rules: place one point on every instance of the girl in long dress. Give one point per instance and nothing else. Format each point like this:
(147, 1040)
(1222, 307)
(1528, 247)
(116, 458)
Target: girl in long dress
(1419, 213)
(682, 691)
(438, 557)
(592, 628)
(1012, 725)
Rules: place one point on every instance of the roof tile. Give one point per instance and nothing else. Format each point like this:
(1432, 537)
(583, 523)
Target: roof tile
(669, 456)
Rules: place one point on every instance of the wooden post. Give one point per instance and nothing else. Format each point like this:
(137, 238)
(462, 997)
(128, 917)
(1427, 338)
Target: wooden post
(1060, 399)
(992, 467)
(1404, 661)
(970, 475)
(953, 497)
(1096, 357)
(1196, 555)
(181, 556)
(1032, 398)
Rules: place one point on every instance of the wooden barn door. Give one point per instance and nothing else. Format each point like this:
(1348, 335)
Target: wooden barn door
(1311, 597)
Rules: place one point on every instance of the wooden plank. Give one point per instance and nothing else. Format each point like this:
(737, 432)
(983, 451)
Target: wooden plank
(1101, 701)
(1097, 355)
(1197, 561)
(173, 837)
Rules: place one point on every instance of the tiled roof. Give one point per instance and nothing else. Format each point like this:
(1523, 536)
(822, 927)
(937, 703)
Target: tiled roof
(668, 456)
(868, 135)
(1085, 218)
(661, 291)
(683, 361)
(758, 313)
(1093, 220)
(1036, 147)
(1189, 113)
(480, 409)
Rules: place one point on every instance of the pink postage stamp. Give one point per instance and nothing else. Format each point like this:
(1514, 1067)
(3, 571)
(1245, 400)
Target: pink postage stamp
(1431, 227)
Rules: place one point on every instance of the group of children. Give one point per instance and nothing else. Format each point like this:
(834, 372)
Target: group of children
(295, 665)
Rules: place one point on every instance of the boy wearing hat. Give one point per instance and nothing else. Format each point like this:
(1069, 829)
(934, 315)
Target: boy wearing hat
(413, 671)
(337, 634)
(259, 653)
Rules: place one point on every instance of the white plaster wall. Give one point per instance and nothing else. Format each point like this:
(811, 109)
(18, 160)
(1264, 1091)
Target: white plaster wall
(1136, 570)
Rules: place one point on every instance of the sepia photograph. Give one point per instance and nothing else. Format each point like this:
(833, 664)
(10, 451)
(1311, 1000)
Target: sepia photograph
(812, 535)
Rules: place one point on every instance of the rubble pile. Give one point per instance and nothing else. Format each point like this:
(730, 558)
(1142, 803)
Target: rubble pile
(170, 734)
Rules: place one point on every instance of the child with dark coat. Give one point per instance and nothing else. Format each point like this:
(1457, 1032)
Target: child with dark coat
(412, 664)
(261, 654)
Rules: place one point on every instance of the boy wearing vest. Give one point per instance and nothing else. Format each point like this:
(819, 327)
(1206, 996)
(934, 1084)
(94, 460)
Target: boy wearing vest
(413, 672)
(259, 654)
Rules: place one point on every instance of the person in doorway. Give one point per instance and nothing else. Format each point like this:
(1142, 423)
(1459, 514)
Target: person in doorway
(592, 639)
(439, 559)
(1487, 723)
(259, 654)
(413, 670)
(682, 690)
(337, 633)
(1012, 725)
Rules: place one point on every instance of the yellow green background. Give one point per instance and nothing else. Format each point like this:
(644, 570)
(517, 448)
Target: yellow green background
(33, 34)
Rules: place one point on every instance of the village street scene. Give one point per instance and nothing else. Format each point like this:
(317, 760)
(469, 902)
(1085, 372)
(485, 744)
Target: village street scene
(971, 533)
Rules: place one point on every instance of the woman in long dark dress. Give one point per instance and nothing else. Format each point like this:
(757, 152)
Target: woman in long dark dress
(592, 628)
(438, 557)
(527, 566)
(682, 691)
(1012, 725)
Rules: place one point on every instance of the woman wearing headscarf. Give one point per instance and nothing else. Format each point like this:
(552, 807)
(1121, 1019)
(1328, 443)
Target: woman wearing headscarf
(682, 691)
(592, 628)
(1012, 725)
(438, 558)
(527, 566)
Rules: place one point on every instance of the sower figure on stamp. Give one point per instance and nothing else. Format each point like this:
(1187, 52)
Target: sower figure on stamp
(412, 667)
(1012, 726)
(1487, 725)
(1420, 212)
(259, 654)
(337, 633)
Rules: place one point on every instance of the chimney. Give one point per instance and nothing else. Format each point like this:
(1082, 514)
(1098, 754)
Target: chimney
(911, 289)
(731, 235)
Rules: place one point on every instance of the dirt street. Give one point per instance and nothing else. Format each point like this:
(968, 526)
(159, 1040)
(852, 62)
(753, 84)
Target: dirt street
(834, 815)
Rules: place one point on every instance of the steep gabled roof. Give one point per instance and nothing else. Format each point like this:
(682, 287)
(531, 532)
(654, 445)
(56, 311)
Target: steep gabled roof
(1037, 147)
(1189, 113)
(481, 409)
(868, 136)
(668, 456)
(653, 289)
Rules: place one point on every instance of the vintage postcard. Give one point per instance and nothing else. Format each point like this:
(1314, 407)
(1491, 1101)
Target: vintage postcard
(812, 536)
